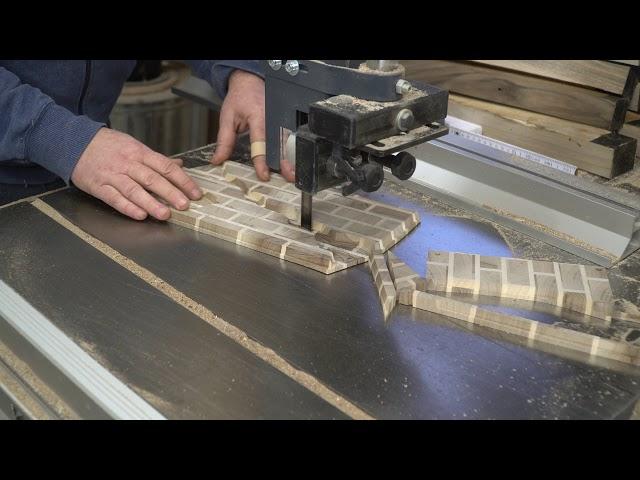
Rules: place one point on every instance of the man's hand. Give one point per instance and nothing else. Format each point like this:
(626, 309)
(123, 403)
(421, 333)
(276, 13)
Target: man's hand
(242, 109)
(118, 169)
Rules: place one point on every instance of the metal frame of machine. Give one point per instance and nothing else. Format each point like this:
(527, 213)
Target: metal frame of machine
(348, 120)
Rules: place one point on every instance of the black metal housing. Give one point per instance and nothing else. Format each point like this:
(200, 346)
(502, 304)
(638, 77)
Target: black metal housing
(352, 122)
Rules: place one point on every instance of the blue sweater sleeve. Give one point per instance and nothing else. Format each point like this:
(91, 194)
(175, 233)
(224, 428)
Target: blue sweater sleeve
(217, 72)
(33, 127)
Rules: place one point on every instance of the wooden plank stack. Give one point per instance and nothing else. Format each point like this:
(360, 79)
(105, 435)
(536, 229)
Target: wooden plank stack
(577, 111)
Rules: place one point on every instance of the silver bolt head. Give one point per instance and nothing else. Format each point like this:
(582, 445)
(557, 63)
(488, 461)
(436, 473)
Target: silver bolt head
(275, 64)
(404, 120)
(402, 87)
(292, 67)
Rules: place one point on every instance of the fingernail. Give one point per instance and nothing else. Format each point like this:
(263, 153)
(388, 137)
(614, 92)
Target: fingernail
(183, 203)
(196, 194)
(163, 213)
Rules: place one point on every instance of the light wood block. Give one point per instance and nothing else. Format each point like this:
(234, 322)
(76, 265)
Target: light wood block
(239, 208)
(546, 289)
(463, 273)
(437, 275)
(384, 283)
(519, 282)
(405, 280)
(490, 283)
(590, 148)
(531, 330)
(580, 288)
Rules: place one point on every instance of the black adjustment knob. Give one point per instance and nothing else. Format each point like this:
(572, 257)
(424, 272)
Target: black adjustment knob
(373, 176)
(403, 165)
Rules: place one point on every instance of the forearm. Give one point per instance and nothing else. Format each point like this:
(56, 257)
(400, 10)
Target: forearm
(217, 72)
(34, 127)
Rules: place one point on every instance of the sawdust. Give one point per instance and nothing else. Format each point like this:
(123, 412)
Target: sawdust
(28, 376)
(25, 404)
(435, 206)
(399, 70)
(347, 101)
(231, 331)
(554, 233)
(631, 178)
(625, 310)
(158, 403)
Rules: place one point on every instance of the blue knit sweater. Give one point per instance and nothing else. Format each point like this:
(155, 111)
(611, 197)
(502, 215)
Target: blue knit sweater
(51, 109)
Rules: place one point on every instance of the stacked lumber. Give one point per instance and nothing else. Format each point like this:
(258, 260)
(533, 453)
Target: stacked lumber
(576, 111)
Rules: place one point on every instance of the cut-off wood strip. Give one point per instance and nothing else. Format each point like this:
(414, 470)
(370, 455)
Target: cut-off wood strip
(531, 330)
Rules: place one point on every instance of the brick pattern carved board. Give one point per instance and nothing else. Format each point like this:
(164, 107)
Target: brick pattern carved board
(410, 291)
(581, 288)
(265, 216)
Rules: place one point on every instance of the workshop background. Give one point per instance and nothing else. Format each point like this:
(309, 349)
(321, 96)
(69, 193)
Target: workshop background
(149, 111)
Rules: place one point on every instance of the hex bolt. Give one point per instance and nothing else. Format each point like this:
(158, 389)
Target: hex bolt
(292, 67)
(404, 120)
(402, 87)
(275, 64)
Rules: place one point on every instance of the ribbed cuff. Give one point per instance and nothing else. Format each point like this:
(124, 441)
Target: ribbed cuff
(58, 138)
(222, 69)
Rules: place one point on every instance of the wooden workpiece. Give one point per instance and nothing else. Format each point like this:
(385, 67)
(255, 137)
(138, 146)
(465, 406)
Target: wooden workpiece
(265, 216)
(521, 90)
(580, 288)
(411, 291)
(592, 149)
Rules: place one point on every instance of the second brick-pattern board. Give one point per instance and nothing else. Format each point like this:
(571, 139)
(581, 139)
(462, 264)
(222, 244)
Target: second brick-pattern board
(580, 288)
(411, 290)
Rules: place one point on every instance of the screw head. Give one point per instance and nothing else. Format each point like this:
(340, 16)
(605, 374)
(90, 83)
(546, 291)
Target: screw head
(404, 120)
(402, 87)
(275, 64)
(292, 67)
